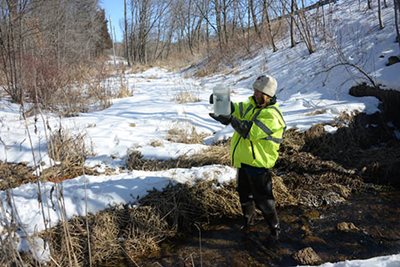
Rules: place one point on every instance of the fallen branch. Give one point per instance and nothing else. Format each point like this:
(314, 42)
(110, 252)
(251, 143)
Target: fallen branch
(358, 68)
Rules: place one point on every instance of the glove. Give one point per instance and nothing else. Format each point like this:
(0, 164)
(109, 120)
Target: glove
(224, 119)
(242, 127)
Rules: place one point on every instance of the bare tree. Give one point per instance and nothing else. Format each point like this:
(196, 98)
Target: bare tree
(189, 22)
(266, 20)
(204, 9)
(217, 10)
(34, 48)
(396, 8)
(381, 26)
(298, 18)
(293, 7)
(11, 43)
(225, 15)
(254, 17)
(126, 35)
(145, 16)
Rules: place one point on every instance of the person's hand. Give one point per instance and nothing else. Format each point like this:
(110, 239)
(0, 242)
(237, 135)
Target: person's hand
(224, 119)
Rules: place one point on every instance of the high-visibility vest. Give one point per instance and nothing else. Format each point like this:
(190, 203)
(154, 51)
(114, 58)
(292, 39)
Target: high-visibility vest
(260, 147)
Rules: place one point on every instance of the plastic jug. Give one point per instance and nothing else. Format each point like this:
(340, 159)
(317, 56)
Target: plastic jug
(222, 100)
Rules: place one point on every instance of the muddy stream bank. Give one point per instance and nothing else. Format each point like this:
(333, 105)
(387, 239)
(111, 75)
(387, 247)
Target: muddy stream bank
(346, 187)
(365, 226)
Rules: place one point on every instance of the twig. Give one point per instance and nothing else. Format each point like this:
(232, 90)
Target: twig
(35, 163)
(201, 255)
(129, 257)
(54, 261)
(354, 66)
(87, 222)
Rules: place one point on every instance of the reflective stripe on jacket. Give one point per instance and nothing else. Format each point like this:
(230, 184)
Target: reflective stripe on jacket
(260, 147)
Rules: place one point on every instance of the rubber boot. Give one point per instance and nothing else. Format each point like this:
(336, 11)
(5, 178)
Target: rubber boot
(271, 217)
(248, 210)
(275, 231)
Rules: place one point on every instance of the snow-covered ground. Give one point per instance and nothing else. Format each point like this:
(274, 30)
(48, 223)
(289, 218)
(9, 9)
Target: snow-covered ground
(384, 261)
(307, 95)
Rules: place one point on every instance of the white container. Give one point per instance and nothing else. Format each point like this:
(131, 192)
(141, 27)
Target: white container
(221, 100)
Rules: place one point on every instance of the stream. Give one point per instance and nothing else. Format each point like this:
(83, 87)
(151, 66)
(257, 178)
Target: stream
(372, 217)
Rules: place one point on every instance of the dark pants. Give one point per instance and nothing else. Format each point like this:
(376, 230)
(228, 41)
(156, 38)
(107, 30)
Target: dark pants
(255, 189)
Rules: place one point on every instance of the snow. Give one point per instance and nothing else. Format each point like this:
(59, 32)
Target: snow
(307, 94)
(384, 261)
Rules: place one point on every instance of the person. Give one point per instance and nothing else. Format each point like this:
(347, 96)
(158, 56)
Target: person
(259, 127)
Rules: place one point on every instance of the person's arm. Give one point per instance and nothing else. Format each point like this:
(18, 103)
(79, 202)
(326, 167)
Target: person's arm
(265, 125)
(242, 127)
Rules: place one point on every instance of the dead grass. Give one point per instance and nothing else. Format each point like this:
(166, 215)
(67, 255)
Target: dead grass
(185, 135)
(186, 97)
(67, 148)
(316, 112)
(15, 174)
(103, 240)
(146, 230)
(9, 255)
(130, 233)
(124, 91)
(281, 193)
(213, 155)
(69, 152)
(183, 205)
(139, 68)
(156, 143)
(313, 181)
(68, 242)
(104, 237)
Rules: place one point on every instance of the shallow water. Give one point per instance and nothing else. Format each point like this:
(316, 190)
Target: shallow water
(375, 214)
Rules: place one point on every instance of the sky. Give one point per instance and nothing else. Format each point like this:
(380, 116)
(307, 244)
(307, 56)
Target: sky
(307, 95)
(114, 10)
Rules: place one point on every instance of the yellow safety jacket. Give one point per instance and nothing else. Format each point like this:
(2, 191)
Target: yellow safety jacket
(260, 147)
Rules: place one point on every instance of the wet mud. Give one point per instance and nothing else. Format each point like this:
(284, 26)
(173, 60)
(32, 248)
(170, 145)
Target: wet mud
(374, 216)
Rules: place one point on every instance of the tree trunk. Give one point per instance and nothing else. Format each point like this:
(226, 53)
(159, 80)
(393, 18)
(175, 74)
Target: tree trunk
(381, 26)
(224, 17)
(11, 49)
(126, 35)
(217, 9)
(248, 28)
(292, 22)
(142, 38)
(268, 22)
(234, 19)
(396, 19)
(254, 18)
(207, 31)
